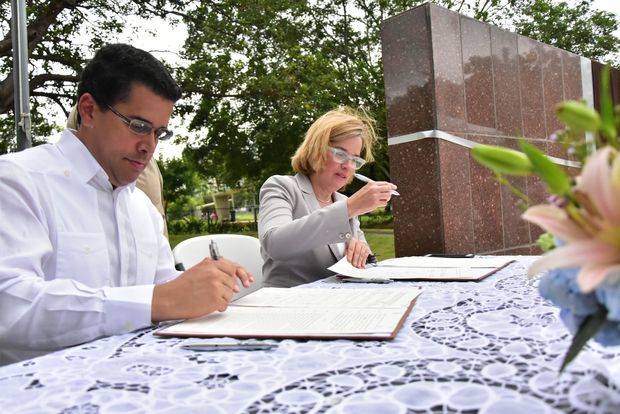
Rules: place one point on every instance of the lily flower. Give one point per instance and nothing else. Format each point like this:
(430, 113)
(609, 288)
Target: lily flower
(591, 228)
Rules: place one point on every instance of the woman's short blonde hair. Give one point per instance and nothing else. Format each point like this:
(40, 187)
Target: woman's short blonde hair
(335, 126)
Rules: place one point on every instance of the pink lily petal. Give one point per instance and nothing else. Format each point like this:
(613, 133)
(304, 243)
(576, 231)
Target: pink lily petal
(577, 254)
(590, 277)
(596, 181)
(556, 221)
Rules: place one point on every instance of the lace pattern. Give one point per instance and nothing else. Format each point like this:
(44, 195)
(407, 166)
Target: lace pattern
(493, 347)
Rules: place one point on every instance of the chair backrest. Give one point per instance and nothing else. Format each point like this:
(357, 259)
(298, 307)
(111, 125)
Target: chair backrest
(244, 250)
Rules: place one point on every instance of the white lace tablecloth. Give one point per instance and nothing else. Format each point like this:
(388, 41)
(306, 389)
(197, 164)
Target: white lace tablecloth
(493, 347)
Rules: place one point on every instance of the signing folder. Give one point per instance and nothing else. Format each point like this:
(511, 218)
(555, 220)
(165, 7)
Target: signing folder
(306, 313)
(426, 268)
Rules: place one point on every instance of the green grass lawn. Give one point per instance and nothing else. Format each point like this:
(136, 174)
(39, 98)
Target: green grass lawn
(381, 241)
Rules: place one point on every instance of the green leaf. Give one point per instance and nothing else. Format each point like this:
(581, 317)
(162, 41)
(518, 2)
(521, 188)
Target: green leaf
(588, 328)
(608, 127)
(557, 181)
(502, 160)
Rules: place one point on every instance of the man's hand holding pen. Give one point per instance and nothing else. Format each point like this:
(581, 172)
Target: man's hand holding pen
(200, 290)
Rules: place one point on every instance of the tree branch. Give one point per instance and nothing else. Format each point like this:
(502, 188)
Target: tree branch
(56, 98)
(39, 80)
(37, 28)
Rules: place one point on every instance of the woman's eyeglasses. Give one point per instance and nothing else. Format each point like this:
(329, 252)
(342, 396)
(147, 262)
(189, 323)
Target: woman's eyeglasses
(341, 156)
(141, 127)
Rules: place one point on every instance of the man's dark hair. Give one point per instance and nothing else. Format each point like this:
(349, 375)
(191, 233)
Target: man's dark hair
(109, 75)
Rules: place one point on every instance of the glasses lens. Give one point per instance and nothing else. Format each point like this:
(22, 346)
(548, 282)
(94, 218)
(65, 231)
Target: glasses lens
(358, 162)
(140, 127)
(340, 156)
(163, 134)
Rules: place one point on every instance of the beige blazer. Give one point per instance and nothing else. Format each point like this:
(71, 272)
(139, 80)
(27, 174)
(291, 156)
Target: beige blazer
(299, 240)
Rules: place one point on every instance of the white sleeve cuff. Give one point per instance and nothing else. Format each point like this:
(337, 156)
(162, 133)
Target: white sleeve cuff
(127, 308)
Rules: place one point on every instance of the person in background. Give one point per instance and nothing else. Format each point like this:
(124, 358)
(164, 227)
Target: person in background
(305, 225)
(82, 250)
(150, 181)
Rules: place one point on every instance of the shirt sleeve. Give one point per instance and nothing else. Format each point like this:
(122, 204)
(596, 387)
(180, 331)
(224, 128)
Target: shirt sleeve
(38, 313)
(283, 237)
(165, 259)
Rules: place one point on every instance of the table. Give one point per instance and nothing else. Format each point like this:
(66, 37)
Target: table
(493, 346)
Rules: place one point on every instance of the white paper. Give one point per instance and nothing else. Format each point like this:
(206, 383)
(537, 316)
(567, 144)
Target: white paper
(382, 298)
(248, 321)
(436, 262)
(344, 268)
(369, 312)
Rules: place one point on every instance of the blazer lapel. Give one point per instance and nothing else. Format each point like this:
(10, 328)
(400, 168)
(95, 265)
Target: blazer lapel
(313, 204)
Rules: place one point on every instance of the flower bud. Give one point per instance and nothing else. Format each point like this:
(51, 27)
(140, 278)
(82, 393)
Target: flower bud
(578, 116)
(502, 160)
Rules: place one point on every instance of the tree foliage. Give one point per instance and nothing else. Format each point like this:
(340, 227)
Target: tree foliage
(579, 28)
(262, 70)
(182, 185)
(62, 35)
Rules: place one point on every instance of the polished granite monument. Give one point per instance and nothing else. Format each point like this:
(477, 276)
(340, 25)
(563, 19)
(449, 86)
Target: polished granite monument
(451, 82)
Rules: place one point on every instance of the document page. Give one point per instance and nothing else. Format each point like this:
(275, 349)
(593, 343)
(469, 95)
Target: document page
(395, 298)
(426, 272)
(249, 321)
(373, 313)
(435, 262)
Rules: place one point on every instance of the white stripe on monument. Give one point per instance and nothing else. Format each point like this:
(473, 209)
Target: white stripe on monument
(438, 134)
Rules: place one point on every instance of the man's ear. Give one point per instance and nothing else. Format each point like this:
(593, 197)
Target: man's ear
(86, 107)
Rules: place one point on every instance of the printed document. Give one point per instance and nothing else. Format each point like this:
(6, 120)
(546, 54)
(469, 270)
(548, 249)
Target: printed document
(306, 313)
(424, 268)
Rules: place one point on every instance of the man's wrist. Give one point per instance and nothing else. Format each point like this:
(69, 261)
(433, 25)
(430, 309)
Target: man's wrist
(159, 304)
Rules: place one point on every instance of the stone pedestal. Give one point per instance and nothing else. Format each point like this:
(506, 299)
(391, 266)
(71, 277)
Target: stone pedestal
(451, 81)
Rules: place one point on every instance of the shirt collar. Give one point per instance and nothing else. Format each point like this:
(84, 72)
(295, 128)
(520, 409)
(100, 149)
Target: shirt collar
(83, 163)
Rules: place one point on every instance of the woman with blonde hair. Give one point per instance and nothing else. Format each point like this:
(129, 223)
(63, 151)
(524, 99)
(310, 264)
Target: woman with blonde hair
(305, 225)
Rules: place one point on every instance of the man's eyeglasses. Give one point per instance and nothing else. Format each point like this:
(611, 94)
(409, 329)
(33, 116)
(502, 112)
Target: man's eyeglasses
(341, 156)
(141, 127)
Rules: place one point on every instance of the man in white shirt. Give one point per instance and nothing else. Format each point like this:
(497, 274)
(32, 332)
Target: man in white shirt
(82, 254)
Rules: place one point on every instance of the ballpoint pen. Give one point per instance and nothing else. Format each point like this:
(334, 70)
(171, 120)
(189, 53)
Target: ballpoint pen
(214, 251)
(368, 180)
(349, 279)
(240, 346)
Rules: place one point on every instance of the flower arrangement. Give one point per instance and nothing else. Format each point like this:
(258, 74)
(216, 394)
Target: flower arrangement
(583, 215)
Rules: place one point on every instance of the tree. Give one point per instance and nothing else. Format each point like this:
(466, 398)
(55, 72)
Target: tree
(182, 185)
(261, 71)
(62, 35)
(579, 29)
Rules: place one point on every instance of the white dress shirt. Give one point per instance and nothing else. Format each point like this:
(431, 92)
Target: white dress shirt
(78, 259)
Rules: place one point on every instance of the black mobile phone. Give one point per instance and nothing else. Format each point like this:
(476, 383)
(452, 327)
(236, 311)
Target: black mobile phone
(459, 256)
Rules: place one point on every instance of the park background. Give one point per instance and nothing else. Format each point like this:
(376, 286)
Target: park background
(255, 74)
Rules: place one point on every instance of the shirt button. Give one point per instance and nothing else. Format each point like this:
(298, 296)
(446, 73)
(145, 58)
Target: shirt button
(87, 250)
(67, 173)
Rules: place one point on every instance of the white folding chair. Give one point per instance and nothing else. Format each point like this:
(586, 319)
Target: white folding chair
(244, 250)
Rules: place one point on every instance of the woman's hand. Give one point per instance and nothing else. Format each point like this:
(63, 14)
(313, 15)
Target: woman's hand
(357, 253)
(369, 197)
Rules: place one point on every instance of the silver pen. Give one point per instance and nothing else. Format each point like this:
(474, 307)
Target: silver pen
(368, 180)
(349, 279)
(214, 251)
(240, 346)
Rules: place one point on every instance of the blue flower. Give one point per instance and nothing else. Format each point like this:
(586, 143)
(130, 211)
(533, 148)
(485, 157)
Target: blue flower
(560, 287)
(608, 294)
